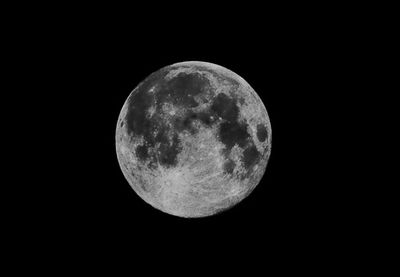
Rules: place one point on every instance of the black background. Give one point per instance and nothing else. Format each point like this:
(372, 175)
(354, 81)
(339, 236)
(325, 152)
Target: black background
(71, 67)
(296, 66)
(291, 200)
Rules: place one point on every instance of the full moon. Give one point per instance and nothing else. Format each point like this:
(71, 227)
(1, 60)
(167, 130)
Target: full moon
(193, 139)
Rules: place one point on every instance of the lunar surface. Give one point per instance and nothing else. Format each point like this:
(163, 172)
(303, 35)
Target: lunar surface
(193, 139)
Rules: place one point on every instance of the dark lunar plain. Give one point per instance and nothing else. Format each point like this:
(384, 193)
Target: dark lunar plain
(94, 206)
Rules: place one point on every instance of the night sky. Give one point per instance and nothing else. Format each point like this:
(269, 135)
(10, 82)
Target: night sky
(91, 72)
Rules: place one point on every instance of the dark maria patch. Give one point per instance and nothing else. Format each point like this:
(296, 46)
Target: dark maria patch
(262, 132)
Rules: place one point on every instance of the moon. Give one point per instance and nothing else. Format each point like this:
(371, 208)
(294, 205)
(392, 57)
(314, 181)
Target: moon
(193, 139)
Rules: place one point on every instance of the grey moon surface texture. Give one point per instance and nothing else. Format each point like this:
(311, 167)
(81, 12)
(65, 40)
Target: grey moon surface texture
(193, 139)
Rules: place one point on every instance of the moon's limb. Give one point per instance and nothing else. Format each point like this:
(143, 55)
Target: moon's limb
(208, 177)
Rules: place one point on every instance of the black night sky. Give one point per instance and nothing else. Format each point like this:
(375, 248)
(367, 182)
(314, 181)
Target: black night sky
(288, 81)
(91, 73)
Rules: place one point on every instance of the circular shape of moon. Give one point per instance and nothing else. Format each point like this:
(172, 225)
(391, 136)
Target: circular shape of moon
(193, 139)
